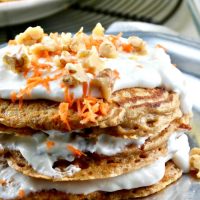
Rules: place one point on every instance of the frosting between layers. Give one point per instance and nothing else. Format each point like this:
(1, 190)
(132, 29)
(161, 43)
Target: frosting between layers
(178, 150)
(41, 157)
(149, 71)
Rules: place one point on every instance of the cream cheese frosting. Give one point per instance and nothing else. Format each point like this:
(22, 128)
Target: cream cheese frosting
(178, 151)
(146, 71)
(36, 152)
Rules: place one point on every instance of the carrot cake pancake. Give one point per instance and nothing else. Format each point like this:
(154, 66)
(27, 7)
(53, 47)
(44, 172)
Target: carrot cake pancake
(90, 116)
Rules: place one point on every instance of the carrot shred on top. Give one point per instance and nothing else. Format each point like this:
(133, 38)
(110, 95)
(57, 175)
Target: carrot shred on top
(21, 193)
(13, 97)
(85, 89)
(75, 151)
(92, 108)
(68, 97)
(50, 144)
(63, 113)
(127, 47)
(104, 108)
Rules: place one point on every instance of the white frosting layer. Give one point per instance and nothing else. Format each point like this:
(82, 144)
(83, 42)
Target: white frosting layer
(178, 150)
(35, 150)
(149, 71)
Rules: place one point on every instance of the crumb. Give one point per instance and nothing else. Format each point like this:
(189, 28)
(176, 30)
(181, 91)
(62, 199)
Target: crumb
(195, 161)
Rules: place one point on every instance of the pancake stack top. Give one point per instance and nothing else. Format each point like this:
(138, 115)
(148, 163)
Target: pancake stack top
(90, 117)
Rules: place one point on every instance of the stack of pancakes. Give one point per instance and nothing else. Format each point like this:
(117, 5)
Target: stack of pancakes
(132, 136)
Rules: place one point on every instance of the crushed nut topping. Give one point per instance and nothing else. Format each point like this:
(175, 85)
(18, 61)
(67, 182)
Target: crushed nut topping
(30, 36)
(105, 82)
(75, 75)
(195, 161)
(71, 60)
(98, 31)
(107, 50)
(91, 60)
(18, 60)
(138, 44)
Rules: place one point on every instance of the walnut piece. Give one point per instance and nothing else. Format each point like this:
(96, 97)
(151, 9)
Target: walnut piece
(107, 50)
(30, 36)
(90, 59)
(78, 41)
(17, 61)
(105, 82)
(138, 44)
(98, 31)
(195, 161)
(75, 75)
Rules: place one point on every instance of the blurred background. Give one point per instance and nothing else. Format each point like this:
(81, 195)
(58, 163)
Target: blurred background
(180, 17)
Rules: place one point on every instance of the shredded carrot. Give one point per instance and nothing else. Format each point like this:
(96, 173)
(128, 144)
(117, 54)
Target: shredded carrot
(69, 98)
(104, 108)
(90, 70)
(25, 73)
(89, 108)
(57, 52)
(75, 151)
(78, 106)
(85, 89)
(13, 97)
(33, 82)
(116, 74)
(50, 144)
(63, 113)
(21, 193)
(88, 111)
(44, 54)
(161, 46)
(127, 47)
(20, 103)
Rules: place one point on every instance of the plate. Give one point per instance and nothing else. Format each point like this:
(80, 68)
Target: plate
(184, 53)
(21, 11)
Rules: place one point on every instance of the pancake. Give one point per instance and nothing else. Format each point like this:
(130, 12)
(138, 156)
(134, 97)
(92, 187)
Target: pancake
(90, 117)
(93, 132)
(172, 174)
(142, 111)
(92, 164)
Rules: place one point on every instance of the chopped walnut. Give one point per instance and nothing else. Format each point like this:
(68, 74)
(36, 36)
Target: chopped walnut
(78, 41)
(108, 50)
(98, 31)
(105, 82)
(66, 40)
(47, 44)
(64, 58)
(17, 61)
(195, 161)
(138, 44)
(90, 59)
(75, 75)
(30, 36)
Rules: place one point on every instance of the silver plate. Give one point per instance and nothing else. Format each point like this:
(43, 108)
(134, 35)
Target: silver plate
(185, 54)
